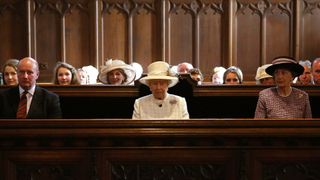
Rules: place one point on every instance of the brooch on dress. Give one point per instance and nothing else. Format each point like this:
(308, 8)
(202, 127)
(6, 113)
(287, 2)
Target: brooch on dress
(173, 101)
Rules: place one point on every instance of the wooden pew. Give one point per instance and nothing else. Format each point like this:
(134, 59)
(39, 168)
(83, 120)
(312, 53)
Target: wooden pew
(111, 149)
(204, 101)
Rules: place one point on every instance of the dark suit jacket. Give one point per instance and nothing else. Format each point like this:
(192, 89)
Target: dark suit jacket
(44, 104)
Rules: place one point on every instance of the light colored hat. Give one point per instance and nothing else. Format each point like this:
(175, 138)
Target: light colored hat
(285, 63)
(160, 70)
(116, 64)
(92, 73)
(261, 72)
(138, 68)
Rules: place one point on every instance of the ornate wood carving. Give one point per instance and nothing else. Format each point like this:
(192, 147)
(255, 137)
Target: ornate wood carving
(61, 7)
(129, 7)
(235, 149)
(291, 171)
(265, 6)
(195, 7)
(310, 6)
(168, 171)
(14, 6)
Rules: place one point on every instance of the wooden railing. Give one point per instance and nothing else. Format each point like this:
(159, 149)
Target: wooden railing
(112, 149)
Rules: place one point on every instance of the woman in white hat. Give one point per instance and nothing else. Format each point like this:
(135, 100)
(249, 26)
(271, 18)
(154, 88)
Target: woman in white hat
(116, 72)
(283, 101)
(262, 77)
(160, 104)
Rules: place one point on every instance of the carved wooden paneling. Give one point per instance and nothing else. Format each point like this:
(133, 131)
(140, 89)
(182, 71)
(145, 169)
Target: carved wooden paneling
(63, 31)
(171, 164)
(279, 30)
(277, 164)
(309, 36)
(196, 33)
(114, 30)
(181, 31)
(211, 36)
(131, 30)
(47, 35)
(232, 149)
(13, 31)
(27, 165)
(206, 33)
(264, 30)
(146, 32)
(80, 33)
(248, 33)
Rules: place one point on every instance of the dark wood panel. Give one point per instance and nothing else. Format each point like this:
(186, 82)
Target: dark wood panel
(80, 34)
(309, 35)
(244, 33)
(279, 30)
(47, 164)
(13, 31)
(48, 32)
(249, 33)
(114, 31)
(159, 149)
(212, 37)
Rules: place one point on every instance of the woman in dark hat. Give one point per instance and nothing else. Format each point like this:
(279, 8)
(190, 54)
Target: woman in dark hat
(283, 101)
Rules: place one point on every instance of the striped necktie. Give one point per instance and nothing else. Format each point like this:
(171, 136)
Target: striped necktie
(22, 108)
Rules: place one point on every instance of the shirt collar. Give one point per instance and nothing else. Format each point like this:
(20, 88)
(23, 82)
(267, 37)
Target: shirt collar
(30, 91)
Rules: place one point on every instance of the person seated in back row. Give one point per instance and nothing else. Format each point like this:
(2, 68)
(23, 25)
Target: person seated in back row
(9, 72)
(233, 75)
(184, 68)
(217, 76)
(196, 75)
(160, 104)
(116, 72)
(306, 77)
(262, 77)
(65, 74)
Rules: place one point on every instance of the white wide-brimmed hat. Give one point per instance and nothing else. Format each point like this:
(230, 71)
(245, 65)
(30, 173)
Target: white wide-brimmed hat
(116, 64)
(160, 70)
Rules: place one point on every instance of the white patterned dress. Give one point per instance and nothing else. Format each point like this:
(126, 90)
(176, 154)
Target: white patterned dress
(172, 107)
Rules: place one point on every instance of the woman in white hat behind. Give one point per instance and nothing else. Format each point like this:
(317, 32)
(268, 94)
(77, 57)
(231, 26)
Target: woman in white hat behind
(160, 104)
(116, 72)
(283, 101)
(262, 77)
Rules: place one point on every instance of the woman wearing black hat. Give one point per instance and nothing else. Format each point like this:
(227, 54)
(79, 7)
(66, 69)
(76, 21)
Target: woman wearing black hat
(283, 101)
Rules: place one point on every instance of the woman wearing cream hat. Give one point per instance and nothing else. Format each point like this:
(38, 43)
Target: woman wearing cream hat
(262, 77)
(283, 101)
(160, 104)
(116, 72)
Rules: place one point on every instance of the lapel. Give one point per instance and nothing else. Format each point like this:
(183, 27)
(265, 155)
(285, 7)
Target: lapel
(35, 103)
(15, 96)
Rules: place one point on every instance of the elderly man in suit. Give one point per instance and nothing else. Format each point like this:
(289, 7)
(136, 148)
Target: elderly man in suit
(27, 100)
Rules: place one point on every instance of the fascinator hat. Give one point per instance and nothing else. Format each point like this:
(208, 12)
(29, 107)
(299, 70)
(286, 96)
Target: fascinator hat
(160, 70)
(285, 63)
(111, 65)
(261, 72)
